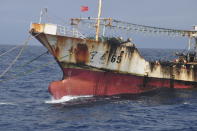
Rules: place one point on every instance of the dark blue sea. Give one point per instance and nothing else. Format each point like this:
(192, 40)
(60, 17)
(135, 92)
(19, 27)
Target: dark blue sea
(26, 105)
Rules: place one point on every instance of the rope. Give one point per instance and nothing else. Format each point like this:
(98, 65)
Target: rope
(16, 58)
(31, 71)
(28, 72)
(17, 69)
(34, 59)
(10, 50)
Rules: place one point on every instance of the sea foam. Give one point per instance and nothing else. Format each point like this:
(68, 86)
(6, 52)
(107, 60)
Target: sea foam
(65, 99)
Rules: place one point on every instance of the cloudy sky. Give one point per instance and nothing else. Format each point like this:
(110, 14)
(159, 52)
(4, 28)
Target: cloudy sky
(16, 16)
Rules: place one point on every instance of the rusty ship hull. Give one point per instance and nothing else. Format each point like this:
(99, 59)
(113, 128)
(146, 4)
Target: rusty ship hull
(103, 68)
(94, 83)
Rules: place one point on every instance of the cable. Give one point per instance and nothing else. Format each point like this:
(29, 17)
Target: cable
(16, 58)
(10, 50)
(27, 63)
(31, 70)
(27, 72)
(19, 54)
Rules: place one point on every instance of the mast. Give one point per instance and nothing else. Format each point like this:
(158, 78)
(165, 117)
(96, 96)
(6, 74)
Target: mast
(195, 38)
(98, 20)
(43, 12)
(189, 43)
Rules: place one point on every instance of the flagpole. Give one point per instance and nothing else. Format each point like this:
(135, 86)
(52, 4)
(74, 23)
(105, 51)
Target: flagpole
(98, 20)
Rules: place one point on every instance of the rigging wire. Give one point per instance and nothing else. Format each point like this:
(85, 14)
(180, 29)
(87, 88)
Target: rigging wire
(31, 61)
(10, 50)
(21, 74)
(16, 58)
(25, 43)
(119, 25)
(125, 26)
(17, 69)
(27, 72)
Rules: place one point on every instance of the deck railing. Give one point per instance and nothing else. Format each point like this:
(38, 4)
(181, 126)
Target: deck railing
(70, 32)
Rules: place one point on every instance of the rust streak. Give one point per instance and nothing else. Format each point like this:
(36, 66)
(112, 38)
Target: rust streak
(81, 54)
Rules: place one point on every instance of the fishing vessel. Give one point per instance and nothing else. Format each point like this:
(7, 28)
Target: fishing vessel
(109, 65)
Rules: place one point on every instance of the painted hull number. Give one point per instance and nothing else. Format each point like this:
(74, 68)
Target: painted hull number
(116, 59)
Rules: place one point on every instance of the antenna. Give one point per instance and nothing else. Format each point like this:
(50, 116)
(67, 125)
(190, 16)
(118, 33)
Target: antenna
(195, 38)
(43, 12)
(189, 43)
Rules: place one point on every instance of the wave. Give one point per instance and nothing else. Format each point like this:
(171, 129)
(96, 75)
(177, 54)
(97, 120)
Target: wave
(6, 103)
(66, 99)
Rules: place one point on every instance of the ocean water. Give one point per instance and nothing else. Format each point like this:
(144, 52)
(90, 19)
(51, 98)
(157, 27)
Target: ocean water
(26, 105)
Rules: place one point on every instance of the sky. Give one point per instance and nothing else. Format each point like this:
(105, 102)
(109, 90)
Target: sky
(16, 16)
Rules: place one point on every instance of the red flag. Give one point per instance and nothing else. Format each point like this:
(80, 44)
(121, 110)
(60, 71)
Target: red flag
(84, 8)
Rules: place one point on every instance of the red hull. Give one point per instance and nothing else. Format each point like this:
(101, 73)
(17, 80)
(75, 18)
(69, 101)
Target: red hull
(80, 82)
